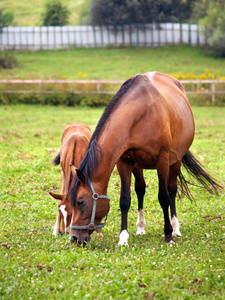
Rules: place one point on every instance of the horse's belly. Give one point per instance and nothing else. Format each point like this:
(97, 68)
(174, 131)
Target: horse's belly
(140, 159)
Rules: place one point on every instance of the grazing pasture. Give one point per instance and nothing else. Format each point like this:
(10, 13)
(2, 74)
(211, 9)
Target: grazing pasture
(34, 264)
(182, 62)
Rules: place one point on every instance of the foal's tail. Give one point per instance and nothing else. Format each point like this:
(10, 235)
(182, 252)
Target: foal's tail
(194, 167)
(56, 160)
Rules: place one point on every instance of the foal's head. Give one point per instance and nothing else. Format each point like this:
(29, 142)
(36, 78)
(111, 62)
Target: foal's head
(65, 211)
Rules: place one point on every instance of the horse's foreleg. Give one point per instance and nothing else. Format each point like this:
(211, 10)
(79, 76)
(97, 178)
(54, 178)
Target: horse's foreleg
(172, 187)
(163, 195)
(125, 198)
(140, 191)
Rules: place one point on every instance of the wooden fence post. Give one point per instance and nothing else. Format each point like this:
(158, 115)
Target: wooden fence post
(213, 92)
(98, 87)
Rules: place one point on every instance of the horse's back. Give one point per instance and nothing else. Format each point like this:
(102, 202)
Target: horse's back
(177, 110)
(153, 115)
(75, 140)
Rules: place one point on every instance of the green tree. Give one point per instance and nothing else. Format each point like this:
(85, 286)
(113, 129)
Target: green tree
(211, 15)
(55, 14)
(113, 12)
(6, 18)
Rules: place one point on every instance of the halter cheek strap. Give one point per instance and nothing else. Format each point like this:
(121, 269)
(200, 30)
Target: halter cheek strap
(95, 197)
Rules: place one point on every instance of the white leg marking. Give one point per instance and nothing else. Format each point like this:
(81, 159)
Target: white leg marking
(124, 235)
(141, 222)
(56, 229)
(176, 226)
(64, 212)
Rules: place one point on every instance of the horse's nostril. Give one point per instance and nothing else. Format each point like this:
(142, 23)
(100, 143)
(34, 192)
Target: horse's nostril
(73, 239)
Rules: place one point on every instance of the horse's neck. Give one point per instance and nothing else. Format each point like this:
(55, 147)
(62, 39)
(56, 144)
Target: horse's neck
(113, 146)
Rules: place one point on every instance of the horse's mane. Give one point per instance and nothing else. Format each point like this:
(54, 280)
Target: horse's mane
(89, 164)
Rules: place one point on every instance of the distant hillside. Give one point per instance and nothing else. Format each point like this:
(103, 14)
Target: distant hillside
(29, 12)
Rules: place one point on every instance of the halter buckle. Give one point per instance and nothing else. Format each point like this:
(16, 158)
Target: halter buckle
(95, 196)
(91, 226)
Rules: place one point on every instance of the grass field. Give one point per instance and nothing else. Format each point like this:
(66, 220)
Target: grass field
(36, 265)
(116, 64)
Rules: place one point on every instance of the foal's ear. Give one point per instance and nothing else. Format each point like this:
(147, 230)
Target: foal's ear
(56, 196)
(81, 176)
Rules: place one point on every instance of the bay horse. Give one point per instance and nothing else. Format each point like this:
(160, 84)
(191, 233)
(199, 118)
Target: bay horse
(74, 143)
(148, 124)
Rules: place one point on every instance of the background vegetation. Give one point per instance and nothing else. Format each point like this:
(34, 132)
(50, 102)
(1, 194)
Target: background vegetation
(36, 265)
(110, 12)
(29, 13)
(119, 64)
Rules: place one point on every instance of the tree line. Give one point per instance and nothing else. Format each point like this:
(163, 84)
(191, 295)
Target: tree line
(119, 12)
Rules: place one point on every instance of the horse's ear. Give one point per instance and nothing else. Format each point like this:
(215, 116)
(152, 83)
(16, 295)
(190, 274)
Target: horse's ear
(81, 176)
(73, 169)
(56, 196)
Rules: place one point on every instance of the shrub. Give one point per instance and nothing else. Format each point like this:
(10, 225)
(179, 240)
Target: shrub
(7, 61)
(68, 99)
(56, 14)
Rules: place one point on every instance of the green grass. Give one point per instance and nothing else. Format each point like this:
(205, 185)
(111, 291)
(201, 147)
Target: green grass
(113, 63)
(36, 265)
(29, 13)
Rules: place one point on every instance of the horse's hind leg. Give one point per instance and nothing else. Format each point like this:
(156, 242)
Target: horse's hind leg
(140, 191)
(163, 195)
(172, 187)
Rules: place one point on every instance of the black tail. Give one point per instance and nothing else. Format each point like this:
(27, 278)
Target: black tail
(56, 160)
(194, 167)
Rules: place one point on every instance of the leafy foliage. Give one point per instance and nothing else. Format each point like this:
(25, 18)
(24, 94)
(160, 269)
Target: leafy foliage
(7, 60)
(211, 14)
(110, 12)
(6, 18)
(55, 14)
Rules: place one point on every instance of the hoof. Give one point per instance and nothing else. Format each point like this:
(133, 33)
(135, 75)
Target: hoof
(100, 234)
(123, 238)
(140, 231)
(177, 234)
(169, 239)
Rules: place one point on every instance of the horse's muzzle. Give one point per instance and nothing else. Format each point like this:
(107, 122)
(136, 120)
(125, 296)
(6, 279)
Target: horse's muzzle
(80, 239)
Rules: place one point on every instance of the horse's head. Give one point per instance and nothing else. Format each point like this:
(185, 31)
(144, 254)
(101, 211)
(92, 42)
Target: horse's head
(64, 208)
(88, 209)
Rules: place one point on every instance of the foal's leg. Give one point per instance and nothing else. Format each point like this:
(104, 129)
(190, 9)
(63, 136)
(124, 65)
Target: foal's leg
(56, 229)
(163, 196)
(125, 198)
(172, 186)
(140, 191)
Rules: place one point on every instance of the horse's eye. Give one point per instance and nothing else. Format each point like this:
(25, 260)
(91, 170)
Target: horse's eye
(79, 203)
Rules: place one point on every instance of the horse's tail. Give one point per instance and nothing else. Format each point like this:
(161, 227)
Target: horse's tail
(56, 160)
(195, 168)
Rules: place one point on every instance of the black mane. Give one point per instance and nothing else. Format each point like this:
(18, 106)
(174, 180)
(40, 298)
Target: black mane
(89, 164)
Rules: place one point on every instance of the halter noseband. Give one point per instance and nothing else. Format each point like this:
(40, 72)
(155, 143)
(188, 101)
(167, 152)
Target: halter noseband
(95, 197)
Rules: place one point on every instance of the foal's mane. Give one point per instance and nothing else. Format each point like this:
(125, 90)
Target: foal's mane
(89, 164)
